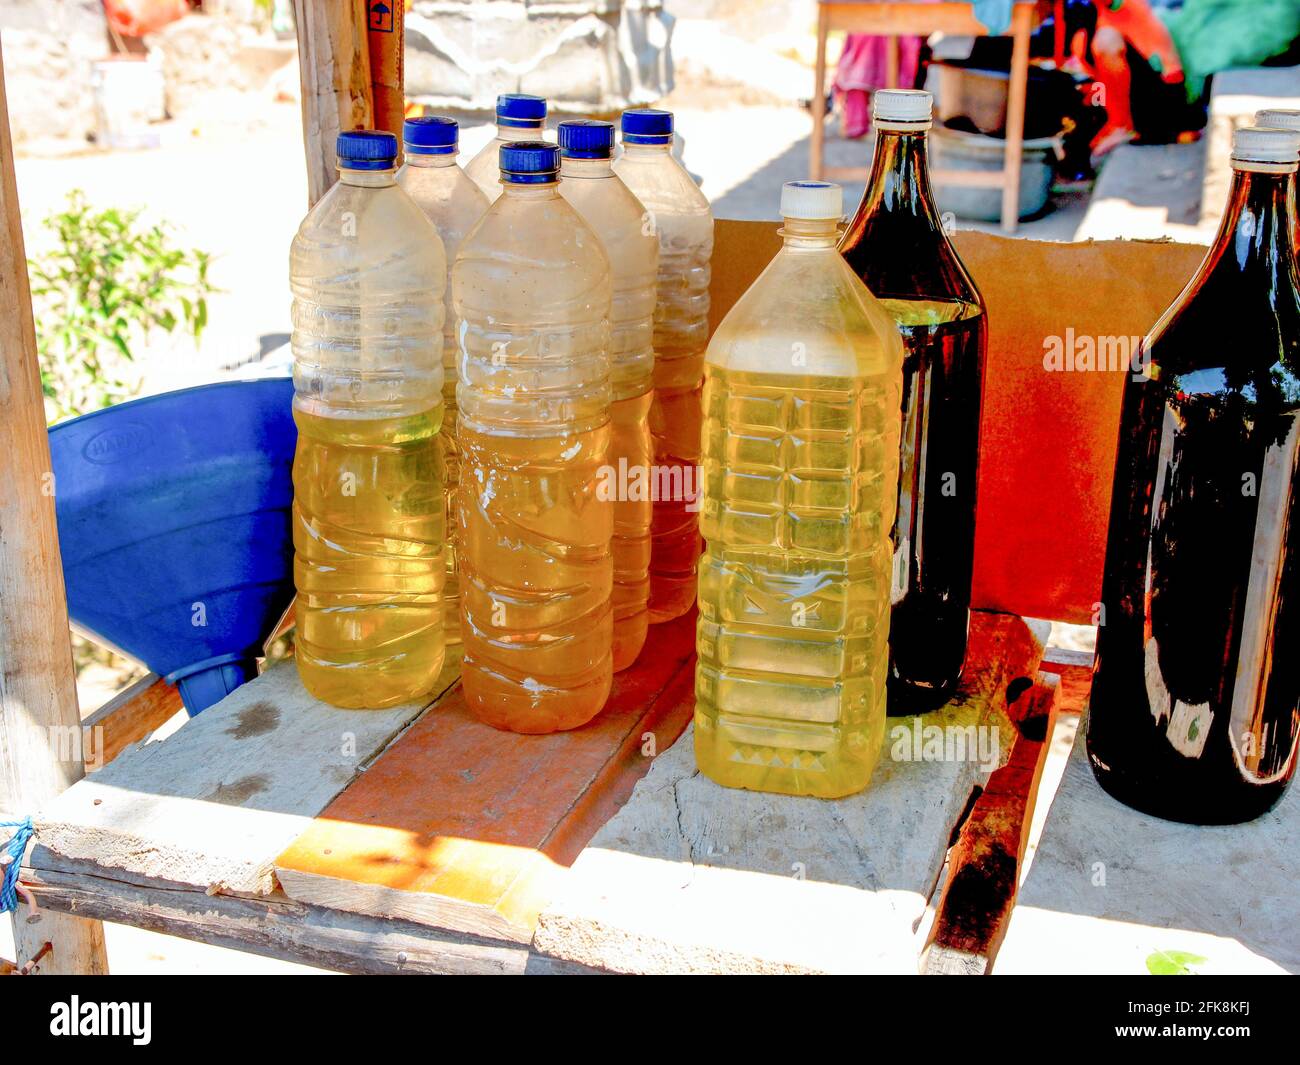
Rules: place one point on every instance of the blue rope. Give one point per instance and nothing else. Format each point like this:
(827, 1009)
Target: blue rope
(16, 848)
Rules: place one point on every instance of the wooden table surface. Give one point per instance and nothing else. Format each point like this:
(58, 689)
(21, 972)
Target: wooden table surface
(1111, 890)
(418, 839)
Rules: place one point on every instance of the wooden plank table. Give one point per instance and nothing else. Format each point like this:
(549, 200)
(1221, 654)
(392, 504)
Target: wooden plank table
(907, 17)
(1111, 890)
(416, 839)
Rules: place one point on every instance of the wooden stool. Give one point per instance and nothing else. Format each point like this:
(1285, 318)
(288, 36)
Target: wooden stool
(898, 18)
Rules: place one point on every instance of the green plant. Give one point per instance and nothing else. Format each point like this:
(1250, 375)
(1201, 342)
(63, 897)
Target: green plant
(107, 283)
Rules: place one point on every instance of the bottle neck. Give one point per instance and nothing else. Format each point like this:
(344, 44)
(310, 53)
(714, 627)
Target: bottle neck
(431, 162)
(647, 151)
(366, 179)
(545, 191)
(810, 233)
(900, 175)
(1257, 232)
(531, 132)
(586, 168)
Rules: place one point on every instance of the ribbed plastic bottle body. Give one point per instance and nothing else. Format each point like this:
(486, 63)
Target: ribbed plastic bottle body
(454, 204)
(531, 290)
(616, 215)
(683, 221)
(800, 471)
(366, 270)
(485, 168)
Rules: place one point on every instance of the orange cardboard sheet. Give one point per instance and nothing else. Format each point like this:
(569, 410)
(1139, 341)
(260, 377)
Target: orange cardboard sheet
(1049, 436)
(385, 36)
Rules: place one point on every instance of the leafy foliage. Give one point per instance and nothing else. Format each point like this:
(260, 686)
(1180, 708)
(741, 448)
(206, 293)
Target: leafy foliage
(108, 282)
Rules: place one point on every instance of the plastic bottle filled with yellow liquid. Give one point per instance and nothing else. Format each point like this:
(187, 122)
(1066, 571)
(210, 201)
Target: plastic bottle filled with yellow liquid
(801, 395)
(367, 271)
(681, 217)
(588, 181)
(531, 288)
(454, 204)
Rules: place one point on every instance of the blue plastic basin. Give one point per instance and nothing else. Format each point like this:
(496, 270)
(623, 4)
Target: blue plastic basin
(174, 526)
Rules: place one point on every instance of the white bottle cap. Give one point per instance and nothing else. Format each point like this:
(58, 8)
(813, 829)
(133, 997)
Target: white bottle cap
(1277, 118)
(1253, 144)
(812, 200)
(901, 106)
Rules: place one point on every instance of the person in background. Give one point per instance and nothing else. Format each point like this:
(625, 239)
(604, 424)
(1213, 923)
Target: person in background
(1132, 57)
(863, 68)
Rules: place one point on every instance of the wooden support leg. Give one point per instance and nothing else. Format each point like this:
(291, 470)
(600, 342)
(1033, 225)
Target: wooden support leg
(38, 690)
(893, 62)
(815, 165)
(1016, 118)
(334, 61)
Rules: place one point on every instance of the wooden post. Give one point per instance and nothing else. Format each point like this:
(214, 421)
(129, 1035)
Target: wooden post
(40, 724)
(816, 143)
(334, 62)
(1022, 24)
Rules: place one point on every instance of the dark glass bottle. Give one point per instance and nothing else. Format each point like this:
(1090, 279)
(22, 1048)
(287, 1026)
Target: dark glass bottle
(896, 243)
(1195, 709)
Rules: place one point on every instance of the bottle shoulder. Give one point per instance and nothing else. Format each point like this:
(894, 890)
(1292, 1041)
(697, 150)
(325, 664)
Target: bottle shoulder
(906, 259)
(376, 228)
(660, 182)
(619, 220)
(448, 198)
(807, 312)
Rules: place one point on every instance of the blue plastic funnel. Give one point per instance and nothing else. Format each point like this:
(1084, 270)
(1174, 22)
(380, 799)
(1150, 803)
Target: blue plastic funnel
(174, 524)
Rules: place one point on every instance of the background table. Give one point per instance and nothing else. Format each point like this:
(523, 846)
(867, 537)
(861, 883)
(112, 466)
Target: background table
(900, 18)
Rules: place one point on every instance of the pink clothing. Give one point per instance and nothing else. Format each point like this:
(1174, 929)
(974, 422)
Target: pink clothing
(863, 68)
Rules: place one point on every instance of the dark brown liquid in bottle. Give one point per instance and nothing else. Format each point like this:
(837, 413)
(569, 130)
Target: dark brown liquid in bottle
(897, 245)
(1195, 709)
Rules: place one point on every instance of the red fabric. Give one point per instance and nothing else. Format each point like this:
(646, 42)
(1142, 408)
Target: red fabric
(863, 68)
(135, 18)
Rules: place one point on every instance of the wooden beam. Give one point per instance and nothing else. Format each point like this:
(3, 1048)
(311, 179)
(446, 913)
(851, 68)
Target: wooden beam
(130, 716)
(334, 62)
(38, 690)
(984, 865)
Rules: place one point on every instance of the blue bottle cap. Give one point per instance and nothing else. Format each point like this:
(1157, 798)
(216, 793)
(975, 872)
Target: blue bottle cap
(520, 109)
(430, 135)
(586, 138)
(645, 125)
(366, 149)
(529, 163)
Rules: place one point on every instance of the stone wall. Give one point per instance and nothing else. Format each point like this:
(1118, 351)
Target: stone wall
(49, 46)
(582, 55)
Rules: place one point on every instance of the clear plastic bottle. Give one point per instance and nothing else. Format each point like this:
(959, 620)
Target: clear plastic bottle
(588, 181)
(454, 204)
(519, 118)
(531, 290)
(680, 215)
(801, 394)
(367, 271)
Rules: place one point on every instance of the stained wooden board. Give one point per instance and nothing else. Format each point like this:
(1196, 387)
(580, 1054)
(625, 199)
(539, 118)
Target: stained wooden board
(984, 864)
(691, 876)
(1110, 887)
(212, 805)
(462, 827)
